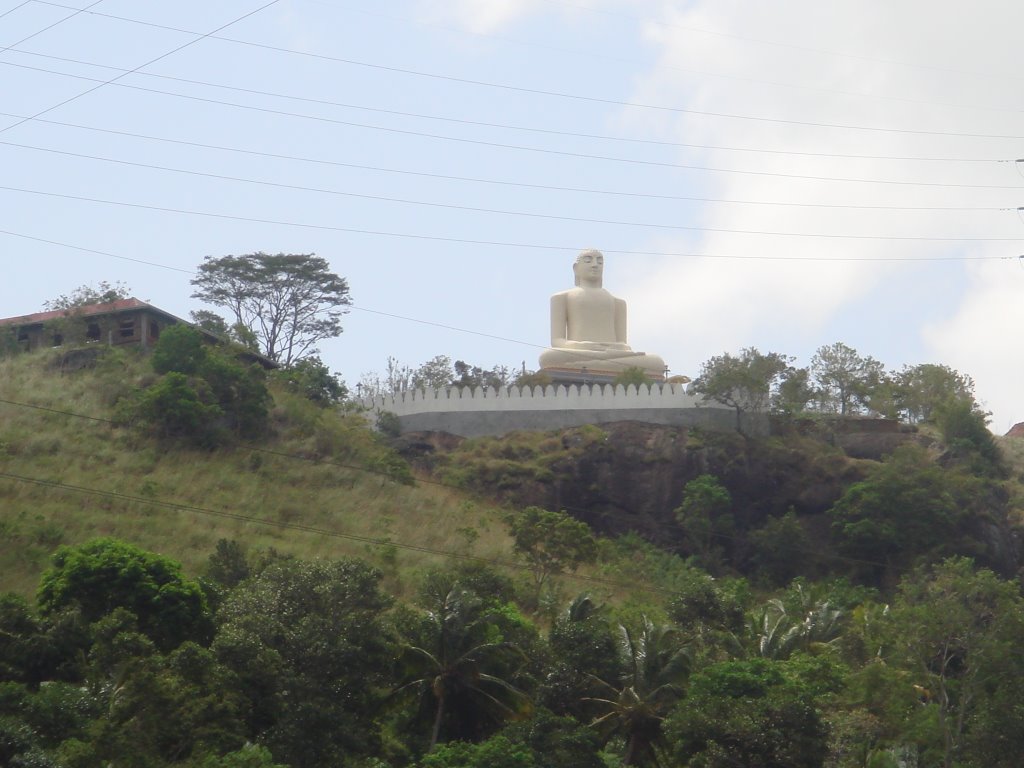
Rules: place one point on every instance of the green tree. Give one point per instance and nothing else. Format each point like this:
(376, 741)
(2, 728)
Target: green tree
(474, 376)
(703, 513)
(908, 506)
(583, 650)
(965, 430)
(436, 373)
(744, 382)
(923, 389)
(288, 302)
(461, 663)
(174, 408)
(794, 391)
(70, 326)
(313, 380)
(654, 666)
(307, 644)
(205, 394)
(633, 375)
(86, 295)
(496, 752)
(845, 379)
(781, 549)
(169, 708)
(103, 574)
(180, 348)
(748, 713)
(958, 631)
(551, 543)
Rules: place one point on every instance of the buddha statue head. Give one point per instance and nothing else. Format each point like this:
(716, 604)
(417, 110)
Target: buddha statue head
(589, 268)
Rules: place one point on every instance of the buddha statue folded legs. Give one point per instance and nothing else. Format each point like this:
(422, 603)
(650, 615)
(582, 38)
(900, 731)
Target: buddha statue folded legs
(588, 329)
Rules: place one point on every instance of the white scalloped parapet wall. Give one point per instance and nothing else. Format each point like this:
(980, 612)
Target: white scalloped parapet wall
(489, 411)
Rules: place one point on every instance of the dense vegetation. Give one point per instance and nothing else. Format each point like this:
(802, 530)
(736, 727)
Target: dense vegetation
(219, 568)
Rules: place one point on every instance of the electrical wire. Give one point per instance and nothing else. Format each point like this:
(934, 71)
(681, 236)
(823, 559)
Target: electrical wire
(368, 540)
(689, 70)
(12, 10)
(12, 46)
(507, 183)
(506, 244)
(331, 228)
(199, 36)
(791, 46)
(506, 126)
(542, 92)
(475, 209)
(521, 147)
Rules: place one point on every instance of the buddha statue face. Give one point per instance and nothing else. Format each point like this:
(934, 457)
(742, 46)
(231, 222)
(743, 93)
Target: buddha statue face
(589, 268)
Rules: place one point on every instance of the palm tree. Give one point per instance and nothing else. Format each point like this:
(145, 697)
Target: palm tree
(780, 633)
(459, 668)
(655, 664)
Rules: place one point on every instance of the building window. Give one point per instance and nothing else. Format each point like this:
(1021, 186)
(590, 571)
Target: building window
(92, 333)
(127, 328)
(154, 329)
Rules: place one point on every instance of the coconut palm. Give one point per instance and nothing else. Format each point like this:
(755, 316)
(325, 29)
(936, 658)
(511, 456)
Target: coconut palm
(780, 633)
(459, 668)
(655, 664)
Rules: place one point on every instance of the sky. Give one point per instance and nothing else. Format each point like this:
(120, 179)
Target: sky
(772, 175)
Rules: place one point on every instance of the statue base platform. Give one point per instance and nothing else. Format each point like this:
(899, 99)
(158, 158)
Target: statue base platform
(580, 376)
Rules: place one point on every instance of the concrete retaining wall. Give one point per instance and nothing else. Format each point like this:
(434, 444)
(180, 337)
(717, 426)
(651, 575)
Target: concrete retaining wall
(478, 412)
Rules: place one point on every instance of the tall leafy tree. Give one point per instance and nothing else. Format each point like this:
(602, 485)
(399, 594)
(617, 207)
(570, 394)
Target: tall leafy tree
(703, 513)
(460, 661)
(654, 666)
(104, 574)
(306, 642)
(744, 382)
(958, 630)
(921, 390)
(551, 543)
(908, 506)
(748, 713)
(289, 302)
(845, 378)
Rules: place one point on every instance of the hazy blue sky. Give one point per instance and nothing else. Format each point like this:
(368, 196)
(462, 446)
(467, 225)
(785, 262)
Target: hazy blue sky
(779, 175)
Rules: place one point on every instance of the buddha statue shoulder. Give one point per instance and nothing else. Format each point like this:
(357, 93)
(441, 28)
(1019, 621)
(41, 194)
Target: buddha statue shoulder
(588, 328)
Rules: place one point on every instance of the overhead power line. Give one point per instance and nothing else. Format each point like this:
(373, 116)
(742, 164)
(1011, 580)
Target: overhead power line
(506, 126)
(504, 182)
(520, 147)
(199, 36)
(543, 92)
(354, 230)
(605, 56)
(777, 44)
(77, 11)
(337, 534)
(452, 206)
(507, 244)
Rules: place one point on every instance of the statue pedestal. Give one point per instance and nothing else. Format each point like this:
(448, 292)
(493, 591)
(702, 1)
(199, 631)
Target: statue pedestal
(587, 375)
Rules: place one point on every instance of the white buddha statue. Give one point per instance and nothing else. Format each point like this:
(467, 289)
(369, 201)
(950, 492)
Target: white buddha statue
(588, 328)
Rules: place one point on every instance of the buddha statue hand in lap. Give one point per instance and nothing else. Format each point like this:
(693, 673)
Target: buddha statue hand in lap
(588, 328)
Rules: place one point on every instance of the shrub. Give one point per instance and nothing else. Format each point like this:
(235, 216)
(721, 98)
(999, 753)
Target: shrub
(180, 349)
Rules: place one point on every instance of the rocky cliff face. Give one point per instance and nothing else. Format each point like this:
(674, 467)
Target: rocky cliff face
(629, 477)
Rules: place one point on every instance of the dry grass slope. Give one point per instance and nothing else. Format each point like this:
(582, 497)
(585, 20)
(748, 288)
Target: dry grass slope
(276, 494)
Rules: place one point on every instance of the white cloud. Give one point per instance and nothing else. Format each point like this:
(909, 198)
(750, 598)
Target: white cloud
(484, 17)
(692, 309)
(981, 337)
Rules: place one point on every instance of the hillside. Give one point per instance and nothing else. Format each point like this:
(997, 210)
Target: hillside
(779, 601)
(318, 470)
